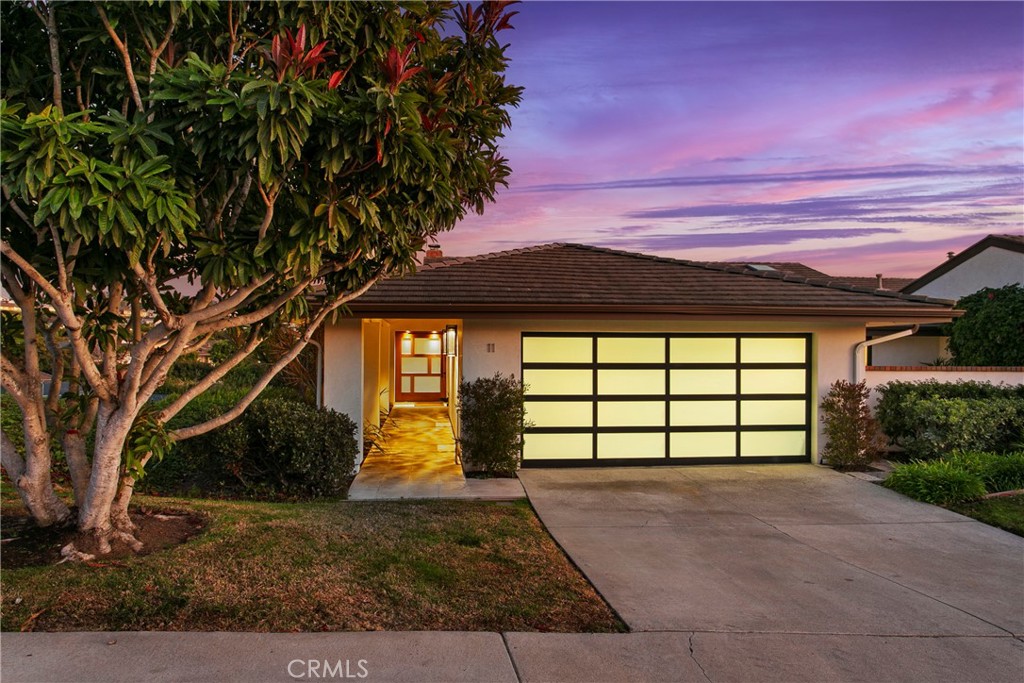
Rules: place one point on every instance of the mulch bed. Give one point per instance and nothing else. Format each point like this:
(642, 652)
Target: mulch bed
(26, 545)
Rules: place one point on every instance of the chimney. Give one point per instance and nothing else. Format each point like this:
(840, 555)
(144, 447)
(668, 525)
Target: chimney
(878, 285)
(950, 254)
(434, 253)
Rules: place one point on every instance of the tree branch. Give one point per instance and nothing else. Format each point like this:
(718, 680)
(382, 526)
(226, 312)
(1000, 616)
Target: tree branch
(215, 376)
(50, 21)
(125, 57)
(246, 401)
(148, 280)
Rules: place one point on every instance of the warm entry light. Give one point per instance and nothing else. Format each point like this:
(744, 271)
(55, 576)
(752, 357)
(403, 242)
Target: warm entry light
(451, 340)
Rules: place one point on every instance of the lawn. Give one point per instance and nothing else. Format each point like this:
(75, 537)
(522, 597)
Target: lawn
(1006, 513)
(325, 566)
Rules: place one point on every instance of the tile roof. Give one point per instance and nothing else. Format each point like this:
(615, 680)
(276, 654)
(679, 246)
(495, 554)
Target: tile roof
(788, 267)
(579, 278)
(894, 284)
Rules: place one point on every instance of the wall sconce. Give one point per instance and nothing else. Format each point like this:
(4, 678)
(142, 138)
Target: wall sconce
(451, 340)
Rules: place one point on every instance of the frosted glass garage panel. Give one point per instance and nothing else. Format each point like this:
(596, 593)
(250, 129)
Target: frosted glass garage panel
(549, 382)
(558, 350)
(558, 446)
(703, 350)
(702, 413)
(773, 381)
(773, 443)
(702, 381)
(631, 414)
(631, 381)
(758, 350)
(415, 365)
(773, 412)
(630, 350)
(426, 385)
(560, 413)
(427, 346)
(703, 444)
(630, 446)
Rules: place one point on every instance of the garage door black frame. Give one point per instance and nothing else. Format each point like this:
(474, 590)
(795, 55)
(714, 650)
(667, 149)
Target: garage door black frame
(668, 398)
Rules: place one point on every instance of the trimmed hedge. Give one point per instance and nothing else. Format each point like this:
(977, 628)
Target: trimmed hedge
(280, 447)
(491, 419)
(929, 419)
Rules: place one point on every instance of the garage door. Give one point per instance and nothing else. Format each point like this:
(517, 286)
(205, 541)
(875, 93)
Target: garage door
(647, 399)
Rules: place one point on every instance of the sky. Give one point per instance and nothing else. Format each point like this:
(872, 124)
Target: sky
(857, 138)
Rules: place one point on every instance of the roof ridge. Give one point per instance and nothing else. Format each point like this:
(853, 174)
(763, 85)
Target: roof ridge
(830, 283)
(446, 261)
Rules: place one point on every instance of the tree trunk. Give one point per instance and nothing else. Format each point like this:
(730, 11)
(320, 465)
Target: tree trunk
(33, 483)
(96, 514)
(78, 464)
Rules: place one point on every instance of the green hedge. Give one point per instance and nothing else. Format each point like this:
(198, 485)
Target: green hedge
(959, 478)
(491, 419)
(930, 419)
(280, 447)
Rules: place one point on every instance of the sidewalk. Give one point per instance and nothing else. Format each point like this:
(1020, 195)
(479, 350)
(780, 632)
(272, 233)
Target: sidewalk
(486, 657)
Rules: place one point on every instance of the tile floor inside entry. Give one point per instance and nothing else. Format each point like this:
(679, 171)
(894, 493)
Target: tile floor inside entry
(418, 461)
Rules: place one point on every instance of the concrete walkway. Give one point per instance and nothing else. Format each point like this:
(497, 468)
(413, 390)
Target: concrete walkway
(418, 461)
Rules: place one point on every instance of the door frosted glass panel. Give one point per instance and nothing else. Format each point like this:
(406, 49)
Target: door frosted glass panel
(697, 413)
(406, 385)
(631, 381)
(631, 413)
(427, 346)
(630, 446)
(560, 413)
(703, 350)
(558, 446)
(415, 365)
(550, 382)
(426, 385)
(702, 444)
(406, 346)
(702, 381)
(630, 350)
(759, 350)
(773, 443)
(772, 381)
(558, 350)
(773, 412)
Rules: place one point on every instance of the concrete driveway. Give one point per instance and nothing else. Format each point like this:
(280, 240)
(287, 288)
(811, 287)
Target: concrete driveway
(813, 573)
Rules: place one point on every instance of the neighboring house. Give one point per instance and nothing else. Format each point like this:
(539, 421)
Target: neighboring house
(996, 261)
(629, 359)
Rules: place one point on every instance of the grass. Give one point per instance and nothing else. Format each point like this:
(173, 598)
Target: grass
(1006, 513)
(324, 566)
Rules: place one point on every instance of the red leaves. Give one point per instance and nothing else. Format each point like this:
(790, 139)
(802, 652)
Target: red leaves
(489, 18)
(291, 54)
(396, 67)
(336, 78)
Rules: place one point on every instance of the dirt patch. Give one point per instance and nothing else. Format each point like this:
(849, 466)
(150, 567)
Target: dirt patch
(26, 545)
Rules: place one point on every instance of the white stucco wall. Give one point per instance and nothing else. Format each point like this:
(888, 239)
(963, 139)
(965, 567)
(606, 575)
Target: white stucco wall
(994, 267)
(910, 351)
(343, 372)
(833, 345)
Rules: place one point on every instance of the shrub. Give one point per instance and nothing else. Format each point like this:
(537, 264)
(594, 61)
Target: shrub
(280, 446)
(931, 418)
(853, 436)
(999, 472)
(492, 418)
(991, 331)
(938, 481)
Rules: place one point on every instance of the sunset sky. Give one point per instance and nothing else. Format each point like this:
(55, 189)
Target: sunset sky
(854, 137)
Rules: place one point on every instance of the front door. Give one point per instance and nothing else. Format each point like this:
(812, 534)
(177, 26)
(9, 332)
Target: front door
(420, 367)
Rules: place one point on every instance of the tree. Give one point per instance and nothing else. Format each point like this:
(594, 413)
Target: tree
(173, 170)
(991, 330)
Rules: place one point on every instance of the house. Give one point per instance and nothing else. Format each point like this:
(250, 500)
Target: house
(995, 261)
(629, 359)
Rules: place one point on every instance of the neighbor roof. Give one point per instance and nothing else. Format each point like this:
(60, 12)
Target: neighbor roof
(895, 284)
(575, 278)
(1008, 242)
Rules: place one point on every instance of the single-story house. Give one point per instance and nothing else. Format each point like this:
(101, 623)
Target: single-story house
(995, 261)
(629, 359)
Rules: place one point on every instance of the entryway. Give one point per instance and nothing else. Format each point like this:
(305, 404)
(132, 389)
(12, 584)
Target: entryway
(416, 459)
